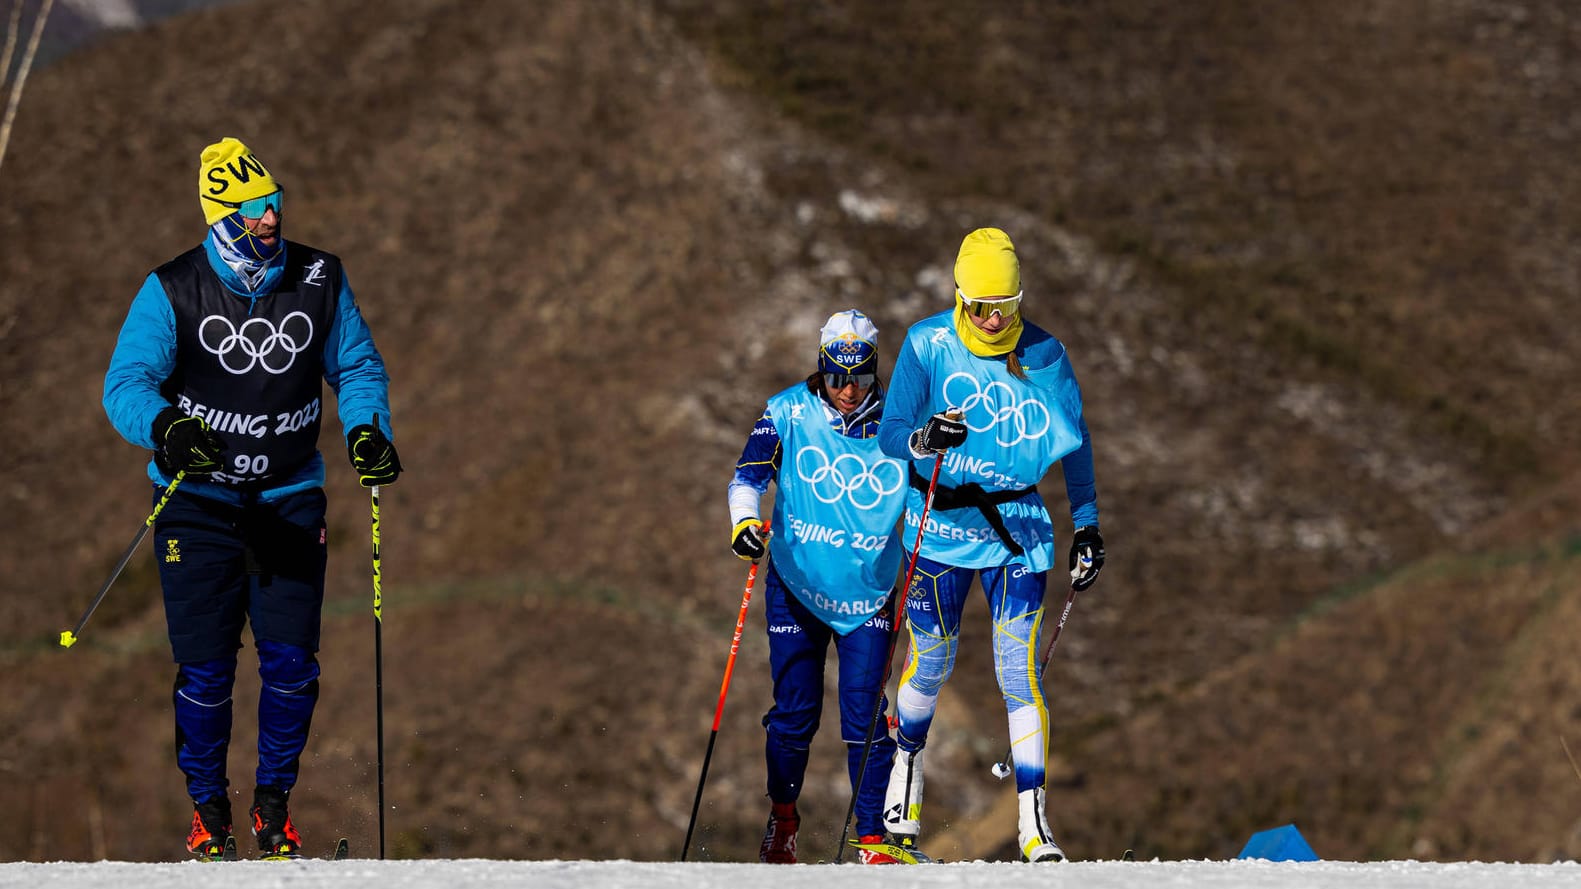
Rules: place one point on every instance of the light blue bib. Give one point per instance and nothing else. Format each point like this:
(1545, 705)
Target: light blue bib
(834, 541)
(1016, 429)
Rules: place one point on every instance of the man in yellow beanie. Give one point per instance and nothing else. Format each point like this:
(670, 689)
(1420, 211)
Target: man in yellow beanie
(237, 192)
(218, 371)
(989, 403)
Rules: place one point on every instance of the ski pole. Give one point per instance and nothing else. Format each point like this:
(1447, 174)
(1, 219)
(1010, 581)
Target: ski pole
(724, 686)
(1003, 768)
(68, 638)
(889, 659)
(378, 653)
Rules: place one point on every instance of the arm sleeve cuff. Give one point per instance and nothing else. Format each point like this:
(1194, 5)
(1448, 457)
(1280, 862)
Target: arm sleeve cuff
(744, 502)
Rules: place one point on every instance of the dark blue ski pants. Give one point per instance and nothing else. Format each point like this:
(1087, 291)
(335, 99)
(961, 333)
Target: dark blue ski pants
(222, 566)
(798, 648)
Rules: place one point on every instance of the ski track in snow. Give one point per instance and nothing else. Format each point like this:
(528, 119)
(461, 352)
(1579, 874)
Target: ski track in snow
(446, 874)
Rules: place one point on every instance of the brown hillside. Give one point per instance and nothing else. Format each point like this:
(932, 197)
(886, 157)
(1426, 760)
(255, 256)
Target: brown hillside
(1316, 271)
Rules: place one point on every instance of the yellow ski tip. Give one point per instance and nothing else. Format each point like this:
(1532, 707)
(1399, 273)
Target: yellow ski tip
(67, 639)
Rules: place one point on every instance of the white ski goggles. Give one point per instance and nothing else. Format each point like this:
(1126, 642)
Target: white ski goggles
(1005, 306)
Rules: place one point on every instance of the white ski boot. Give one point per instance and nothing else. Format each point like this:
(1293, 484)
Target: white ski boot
(1037, 841)
(903, 799)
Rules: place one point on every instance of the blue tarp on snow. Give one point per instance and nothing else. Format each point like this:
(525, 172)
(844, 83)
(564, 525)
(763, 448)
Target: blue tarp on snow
(1279, 844)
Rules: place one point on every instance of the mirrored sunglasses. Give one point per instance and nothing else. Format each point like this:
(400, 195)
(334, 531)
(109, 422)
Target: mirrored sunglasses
(256, 207)
(840, 381)
(985, 308)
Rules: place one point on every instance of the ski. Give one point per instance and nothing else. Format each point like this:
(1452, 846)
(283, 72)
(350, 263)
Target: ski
(341, 852)
(901, 853)
(912, 855)
(226, 853)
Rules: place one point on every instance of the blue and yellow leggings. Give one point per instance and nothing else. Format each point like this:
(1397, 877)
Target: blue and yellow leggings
(933, 620)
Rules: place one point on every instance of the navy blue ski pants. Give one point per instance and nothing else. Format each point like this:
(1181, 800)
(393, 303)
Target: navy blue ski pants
(798, 648)
(222, 566)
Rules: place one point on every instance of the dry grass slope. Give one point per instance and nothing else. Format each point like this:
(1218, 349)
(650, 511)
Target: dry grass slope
(1315, 268)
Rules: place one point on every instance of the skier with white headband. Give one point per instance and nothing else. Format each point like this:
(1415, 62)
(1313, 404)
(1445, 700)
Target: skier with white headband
(833, 561)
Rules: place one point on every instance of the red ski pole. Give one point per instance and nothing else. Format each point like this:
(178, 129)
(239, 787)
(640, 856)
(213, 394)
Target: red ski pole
(724, 686)
(889, 659)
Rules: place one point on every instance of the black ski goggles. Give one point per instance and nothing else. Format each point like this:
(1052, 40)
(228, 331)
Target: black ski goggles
(840, 381)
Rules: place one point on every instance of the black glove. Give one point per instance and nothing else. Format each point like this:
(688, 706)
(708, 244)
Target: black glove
(373, 456)
(748, 543)
(186, 444)
(1086, 557)
(939, 434)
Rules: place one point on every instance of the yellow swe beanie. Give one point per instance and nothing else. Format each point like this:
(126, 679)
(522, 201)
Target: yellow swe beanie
(227, 171)
(986, 267)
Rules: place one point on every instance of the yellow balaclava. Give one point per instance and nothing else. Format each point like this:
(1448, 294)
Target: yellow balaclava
(227, 171)
(986, 267)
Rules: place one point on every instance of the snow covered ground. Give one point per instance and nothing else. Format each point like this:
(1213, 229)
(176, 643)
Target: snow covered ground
(446, 874)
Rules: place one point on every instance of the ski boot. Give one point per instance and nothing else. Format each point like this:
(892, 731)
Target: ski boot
(211, 828)
(903, 798)
(873, 856)
(277, 836)
(779, 838)
(883, 848)
(1037, 841)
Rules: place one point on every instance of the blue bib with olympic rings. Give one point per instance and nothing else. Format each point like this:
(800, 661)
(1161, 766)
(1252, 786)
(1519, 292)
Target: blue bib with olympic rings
(1016, 430)
(834, 541)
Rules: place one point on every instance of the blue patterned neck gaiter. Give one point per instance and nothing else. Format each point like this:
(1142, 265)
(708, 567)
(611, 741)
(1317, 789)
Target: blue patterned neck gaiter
(247, 256)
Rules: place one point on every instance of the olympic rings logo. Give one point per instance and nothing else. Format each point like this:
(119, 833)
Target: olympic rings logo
(995, 406)
(258, 341)
(848, 476)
